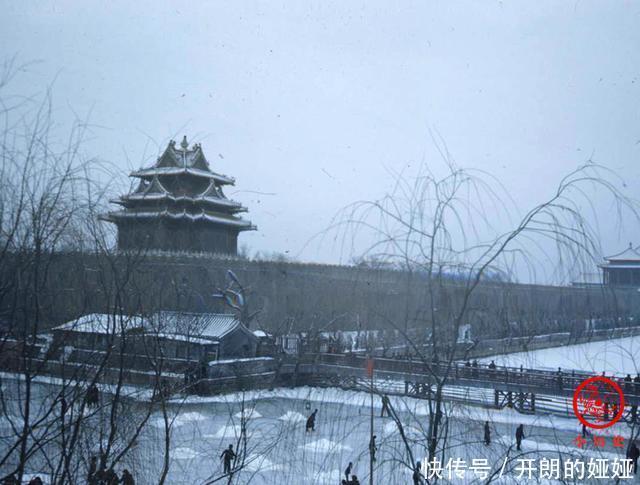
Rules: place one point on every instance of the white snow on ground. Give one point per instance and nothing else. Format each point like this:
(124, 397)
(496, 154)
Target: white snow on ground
(292, 417)
(180, 420)
(138, 393)
(260, 463)
(184, 453)
(331, 476)
(250, 413)
(228, 431)
(189, 417)
(279, 452)
(616, 356)
(390, 428)
(324, 445)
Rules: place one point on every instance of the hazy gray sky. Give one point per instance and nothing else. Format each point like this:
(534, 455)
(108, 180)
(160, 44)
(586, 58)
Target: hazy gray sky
(310, 103)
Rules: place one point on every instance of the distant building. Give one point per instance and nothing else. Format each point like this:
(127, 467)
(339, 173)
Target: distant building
(179, 205)
(185, 336)
(622, 269)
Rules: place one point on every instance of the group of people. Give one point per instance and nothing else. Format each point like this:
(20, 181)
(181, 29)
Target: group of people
(94, 477)
(93, 396)
(107, 477)
(519, 435)
(347, 473)
(631, 386)
(13, 480)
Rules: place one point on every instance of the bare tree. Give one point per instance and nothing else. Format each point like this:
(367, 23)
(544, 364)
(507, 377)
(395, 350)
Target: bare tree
(447, 234)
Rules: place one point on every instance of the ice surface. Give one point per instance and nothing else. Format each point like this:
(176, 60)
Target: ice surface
(250, 413)
(184, 453)
(260, 463)
(325, 446)
(229, 431)
(293, 417)
(616, 356)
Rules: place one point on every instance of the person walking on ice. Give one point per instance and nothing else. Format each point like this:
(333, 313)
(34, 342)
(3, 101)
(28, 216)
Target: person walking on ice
(487, 433)
(373, 447)
(227, 456)
(348, 471)
(311, 421)
(519, 436)
(385, 406)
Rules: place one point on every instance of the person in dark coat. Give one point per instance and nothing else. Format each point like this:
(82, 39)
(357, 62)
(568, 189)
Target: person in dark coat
(92, 479)
(311, 421)
(519, 436)
(354, 480)
(110, 477)
(36, 481)
(385, 406)
(227, 456)
(627, 383)
(559, 379)
(487, 433)
(93, 396)
(417, 474)
(585, 431)
(632, 454)
(373, 448)
(492, 365)
(347, 470)
(127, 478)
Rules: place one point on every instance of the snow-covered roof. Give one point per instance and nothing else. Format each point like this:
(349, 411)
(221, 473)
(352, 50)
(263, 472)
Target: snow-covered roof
(201, 216)
(150, 172)
(175, 161)
(630, 254)
(184, 338)
(180, 198)
(232, 361)
(201, 328)
(212, 326)
(103, 323)
(260, 333)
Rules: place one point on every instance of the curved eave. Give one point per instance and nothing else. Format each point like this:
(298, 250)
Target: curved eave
(240, 224)
(634, 265)
(231, 204)
(150, 172)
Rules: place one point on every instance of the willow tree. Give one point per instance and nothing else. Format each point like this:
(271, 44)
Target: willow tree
(456, 233)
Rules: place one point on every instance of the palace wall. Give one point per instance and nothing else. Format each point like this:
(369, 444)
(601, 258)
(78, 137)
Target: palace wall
(292, 297)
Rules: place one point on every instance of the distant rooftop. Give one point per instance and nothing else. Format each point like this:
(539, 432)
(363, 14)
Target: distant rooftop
(208, 326)
(629, 254)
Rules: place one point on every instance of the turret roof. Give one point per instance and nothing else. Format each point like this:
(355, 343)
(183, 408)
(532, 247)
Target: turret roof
(175, 161)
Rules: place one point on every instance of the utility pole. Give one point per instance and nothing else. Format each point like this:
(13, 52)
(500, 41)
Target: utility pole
(371, 451)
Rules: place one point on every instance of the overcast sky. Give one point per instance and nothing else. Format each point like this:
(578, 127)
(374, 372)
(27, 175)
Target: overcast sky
(309, 104)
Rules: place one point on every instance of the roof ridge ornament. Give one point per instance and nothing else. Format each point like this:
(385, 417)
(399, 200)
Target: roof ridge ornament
(184, 144)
